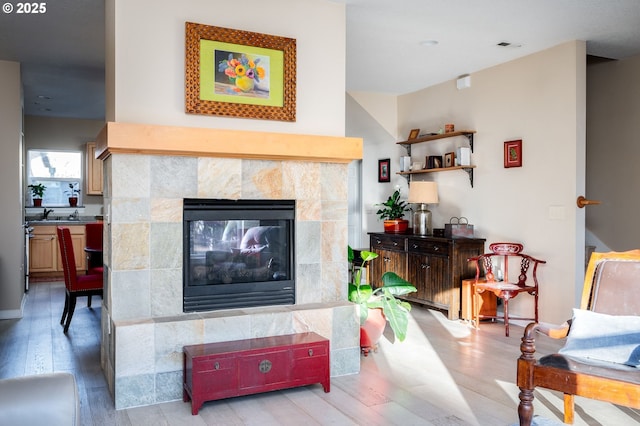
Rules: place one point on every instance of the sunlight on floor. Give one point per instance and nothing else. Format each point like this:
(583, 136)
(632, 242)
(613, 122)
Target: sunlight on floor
(457, 329)
(432, 380)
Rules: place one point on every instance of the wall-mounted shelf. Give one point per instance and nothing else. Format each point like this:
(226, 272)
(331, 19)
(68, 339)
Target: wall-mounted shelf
(468, 133)
(468, 169)
(407, 144)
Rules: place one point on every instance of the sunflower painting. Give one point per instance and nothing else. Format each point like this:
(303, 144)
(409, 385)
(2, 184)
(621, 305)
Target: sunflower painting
(241, 74)
(237, 73)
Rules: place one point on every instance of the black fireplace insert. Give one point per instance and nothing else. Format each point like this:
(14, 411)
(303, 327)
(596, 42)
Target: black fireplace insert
(238, 253)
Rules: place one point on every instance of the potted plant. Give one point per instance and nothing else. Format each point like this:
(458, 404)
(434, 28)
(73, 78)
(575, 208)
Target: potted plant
(381, 302)
(37, 192)
(392, 212)
(73, 193)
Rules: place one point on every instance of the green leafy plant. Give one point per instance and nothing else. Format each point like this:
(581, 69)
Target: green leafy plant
(73, 191)
(393, 208)
(396, 311)
(37, 190)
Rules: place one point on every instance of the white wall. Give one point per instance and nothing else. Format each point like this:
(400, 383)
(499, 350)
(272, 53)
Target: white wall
(146, 70)
(11, 232)
(539, 99)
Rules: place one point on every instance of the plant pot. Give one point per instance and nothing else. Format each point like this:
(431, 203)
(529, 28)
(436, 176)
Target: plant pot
(396, 226)
(37, 202)
(371, 330)
(73, 201)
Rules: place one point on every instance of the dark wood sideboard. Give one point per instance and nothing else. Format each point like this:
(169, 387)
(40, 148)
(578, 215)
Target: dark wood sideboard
(436, 266)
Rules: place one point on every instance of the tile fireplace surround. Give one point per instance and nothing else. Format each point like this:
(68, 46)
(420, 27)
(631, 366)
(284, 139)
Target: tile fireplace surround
(148, 171)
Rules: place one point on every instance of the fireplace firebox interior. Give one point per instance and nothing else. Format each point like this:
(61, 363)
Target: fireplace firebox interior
(238, 253)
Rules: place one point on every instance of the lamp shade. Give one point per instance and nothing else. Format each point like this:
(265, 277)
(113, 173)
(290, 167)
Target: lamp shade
(423, 192)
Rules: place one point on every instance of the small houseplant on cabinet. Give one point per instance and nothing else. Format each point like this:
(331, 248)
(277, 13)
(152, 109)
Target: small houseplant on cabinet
(73, 193)
(378, 306)
(37, 192)
(392, 212)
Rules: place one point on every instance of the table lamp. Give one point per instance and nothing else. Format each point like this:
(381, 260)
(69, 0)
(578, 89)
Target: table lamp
(422, 193)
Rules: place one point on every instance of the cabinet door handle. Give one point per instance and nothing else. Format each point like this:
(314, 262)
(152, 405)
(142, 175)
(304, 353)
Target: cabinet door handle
(310, 352)
(425, 266)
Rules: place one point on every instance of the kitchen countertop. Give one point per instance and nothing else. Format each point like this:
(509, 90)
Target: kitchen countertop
(60, 220)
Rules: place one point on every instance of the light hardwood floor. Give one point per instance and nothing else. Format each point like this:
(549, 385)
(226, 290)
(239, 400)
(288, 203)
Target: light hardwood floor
(444, 374)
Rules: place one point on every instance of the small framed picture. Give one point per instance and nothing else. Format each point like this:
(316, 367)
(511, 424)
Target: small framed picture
(384, 172)
(414, 134)
(434, 161)
(513, 153)
(449, 159)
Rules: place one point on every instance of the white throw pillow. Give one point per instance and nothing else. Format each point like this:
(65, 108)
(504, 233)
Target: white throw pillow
(613, 338)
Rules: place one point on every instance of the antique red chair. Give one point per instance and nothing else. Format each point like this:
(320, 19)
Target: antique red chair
(93, 247)
(498, 281)
(75, 285)
(601, 356)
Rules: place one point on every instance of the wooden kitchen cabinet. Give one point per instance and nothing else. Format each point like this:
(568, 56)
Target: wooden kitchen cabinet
(44, 252)
(93, 170)
(435, 266)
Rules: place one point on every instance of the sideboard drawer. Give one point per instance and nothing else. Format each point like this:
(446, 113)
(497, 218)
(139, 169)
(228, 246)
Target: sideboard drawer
(214, 364)
(388, 242)
(309, 361)
(429, 247)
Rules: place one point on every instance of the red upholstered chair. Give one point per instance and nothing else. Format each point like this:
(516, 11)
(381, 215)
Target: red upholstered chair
(76, 285)
(498, 281)
(93, 247)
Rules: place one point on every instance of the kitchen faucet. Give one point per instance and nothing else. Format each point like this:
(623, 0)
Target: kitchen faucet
(45, 213)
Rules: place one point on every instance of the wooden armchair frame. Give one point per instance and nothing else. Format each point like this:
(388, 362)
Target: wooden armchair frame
(525, 283)
(607, 285)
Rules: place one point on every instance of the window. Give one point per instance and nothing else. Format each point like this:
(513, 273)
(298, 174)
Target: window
(56, 170)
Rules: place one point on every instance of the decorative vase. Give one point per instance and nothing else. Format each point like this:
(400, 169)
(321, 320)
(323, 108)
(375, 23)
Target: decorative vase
(371, 331)
(73, 201)
(37, 202)
(245, 84)
(396, 226)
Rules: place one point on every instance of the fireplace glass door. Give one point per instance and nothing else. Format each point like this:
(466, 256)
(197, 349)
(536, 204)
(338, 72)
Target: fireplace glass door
(238, 253)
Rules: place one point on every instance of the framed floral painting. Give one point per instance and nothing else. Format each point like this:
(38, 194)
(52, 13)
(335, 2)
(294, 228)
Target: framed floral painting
(239, 73)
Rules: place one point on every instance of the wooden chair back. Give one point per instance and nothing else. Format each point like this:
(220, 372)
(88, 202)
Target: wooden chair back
(611, 285)
(504, 284)
(67, 257)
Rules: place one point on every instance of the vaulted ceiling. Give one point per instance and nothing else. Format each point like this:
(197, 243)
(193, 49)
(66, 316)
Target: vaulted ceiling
(393, 47)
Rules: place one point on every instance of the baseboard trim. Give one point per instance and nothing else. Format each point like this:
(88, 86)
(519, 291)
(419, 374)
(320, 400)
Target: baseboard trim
(14, 313)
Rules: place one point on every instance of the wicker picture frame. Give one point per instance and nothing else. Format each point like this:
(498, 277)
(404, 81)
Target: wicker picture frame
(264, 87)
